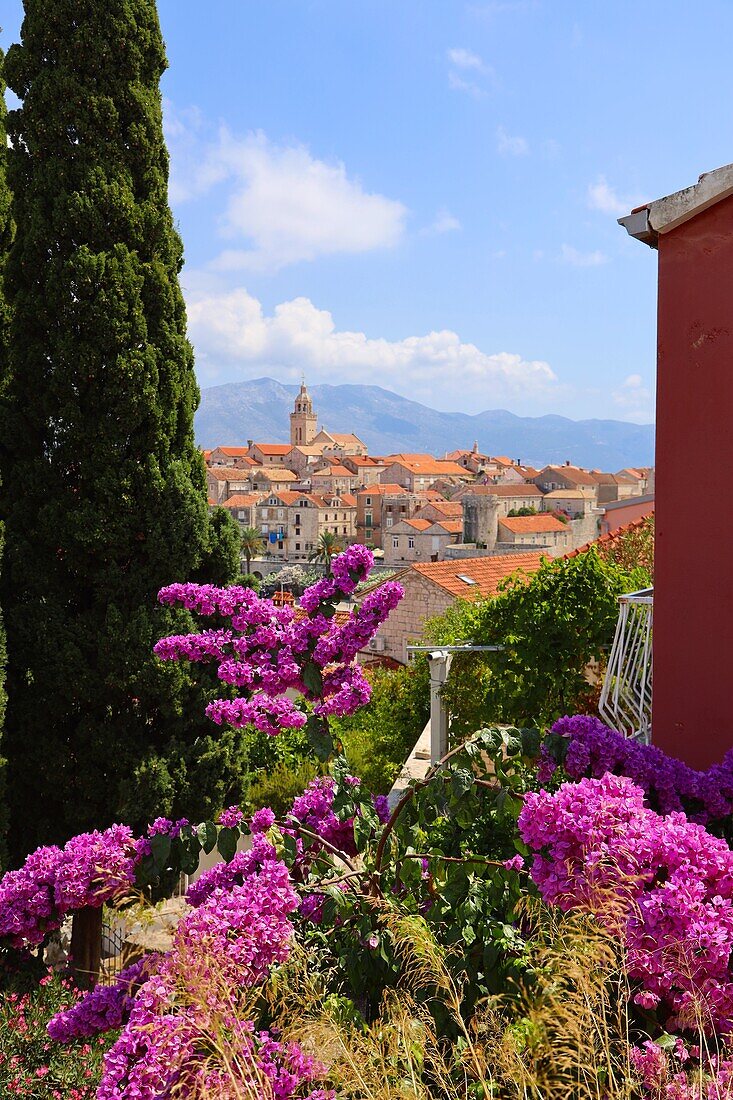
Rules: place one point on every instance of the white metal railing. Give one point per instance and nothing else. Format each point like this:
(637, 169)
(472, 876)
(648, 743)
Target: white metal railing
(626, 698)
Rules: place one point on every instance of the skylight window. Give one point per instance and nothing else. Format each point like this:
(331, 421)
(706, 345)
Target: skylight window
(465, 579)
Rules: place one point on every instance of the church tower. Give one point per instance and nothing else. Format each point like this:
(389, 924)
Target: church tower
(303, 421)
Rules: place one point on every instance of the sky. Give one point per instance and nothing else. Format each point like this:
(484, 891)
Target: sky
(423, 194)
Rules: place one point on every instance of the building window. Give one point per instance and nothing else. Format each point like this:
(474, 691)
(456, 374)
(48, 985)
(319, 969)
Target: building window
(411, 543)
(368, 519)
(368, 502)
(297, 546)
(395, 543)
(389, 521)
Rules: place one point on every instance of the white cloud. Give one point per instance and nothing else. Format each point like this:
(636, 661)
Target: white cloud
(282, 205)
(234, 338)
(635, 399)
(572, 256)
(445, 222)
(468, 72)
(511, 146)
(465, 59)
(601, 196)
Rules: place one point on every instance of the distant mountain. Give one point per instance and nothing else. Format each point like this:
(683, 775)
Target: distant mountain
(259, 410)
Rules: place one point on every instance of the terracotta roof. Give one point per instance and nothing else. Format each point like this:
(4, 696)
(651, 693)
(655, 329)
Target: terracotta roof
(418, 524)
(211, 502)
(362, 460)
(452, 526)
(430, 467)
(340, 618)
(287, 496)
(274, 448)
(570, 494)
(389, 489)
(483, 574)
(517, 490)
(571, 473)
(334, 471)
(207, 455)
(233, 452)
(242, 500)
(502, 460)
(307, 450)
(447, 508)
(346, 439)
(524, 525)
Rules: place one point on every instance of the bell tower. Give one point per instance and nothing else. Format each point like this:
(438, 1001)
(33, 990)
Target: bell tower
(303, 421)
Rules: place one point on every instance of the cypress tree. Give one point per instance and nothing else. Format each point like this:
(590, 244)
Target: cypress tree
(5, 238)
(103, 489)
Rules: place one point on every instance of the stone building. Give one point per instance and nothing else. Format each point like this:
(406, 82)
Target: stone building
(431, 588)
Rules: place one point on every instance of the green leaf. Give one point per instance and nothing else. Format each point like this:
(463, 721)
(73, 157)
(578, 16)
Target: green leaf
(319, 737)
(160, 847)
(207, 833)
(227, 843)
(313, 678)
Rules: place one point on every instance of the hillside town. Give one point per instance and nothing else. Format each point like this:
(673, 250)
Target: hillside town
(451, 525)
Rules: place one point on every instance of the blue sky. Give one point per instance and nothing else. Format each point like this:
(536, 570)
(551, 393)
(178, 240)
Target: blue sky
(422, 194)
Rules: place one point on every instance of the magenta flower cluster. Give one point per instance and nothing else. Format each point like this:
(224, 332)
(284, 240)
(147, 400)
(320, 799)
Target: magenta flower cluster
(226, 944)
(313, 811)
(268, 650)
(105, 1007)
(593, 750)
(662, 1075)
(88, 871)
(662, 883)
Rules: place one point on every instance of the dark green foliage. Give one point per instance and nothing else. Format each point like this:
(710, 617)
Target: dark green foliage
(440, 857)
(553, 626)
(103, 489)
(378, 738)
(222, 559)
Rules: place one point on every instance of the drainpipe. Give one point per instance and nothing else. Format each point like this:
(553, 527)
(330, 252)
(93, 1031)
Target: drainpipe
(439, 663)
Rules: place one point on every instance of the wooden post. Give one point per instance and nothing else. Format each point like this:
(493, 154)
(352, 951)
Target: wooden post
(86, 946)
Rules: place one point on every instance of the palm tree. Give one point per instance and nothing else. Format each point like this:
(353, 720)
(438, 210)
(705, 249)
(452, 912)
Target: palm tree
(328, 545)
(252, 544)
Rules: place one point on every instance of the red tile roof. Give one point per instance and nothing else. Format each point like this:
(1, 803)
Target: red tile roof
(390, 489)
(418, 524)
(233, 452)
(334, 471)
(524, 525)
(452, 526)
(447, 508)
(274, 448)
(485, 573)
(242, 500)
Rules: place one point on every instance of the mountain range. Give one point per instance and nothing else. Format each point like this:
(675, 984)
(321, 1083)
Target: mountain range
(259, 410)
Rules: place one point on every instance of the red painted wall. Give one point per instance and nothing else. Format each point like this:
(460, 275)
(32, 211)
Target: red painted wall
(692, 715)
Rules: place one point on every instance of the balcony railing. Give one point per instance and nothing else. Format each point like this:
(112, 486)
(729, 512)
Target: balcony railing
(626, 698)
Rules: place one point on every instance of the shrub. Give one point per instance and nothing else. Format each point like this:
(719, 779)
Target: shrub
(378, 738)
(31, 1065)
